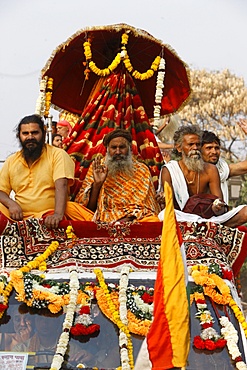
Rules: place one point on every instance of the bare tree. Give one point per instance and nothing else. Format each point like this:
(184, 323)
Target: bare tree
(218, 100)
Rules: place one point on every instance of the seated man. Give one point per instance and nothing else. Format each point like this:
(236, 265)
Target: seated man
(119, 188)
(39, 175)
(211, 154)
(191, 175)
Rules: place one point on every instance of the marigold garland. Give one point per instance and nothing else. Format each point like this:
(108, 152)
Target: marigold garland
(15, 275)
(48, 96)
(116, 61)
(216, 288)
(115, 315)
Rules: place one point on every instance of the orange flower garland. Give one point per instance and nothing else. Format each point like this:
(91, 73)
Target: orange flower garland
(15, 275)
(115, 315)
(216, 288)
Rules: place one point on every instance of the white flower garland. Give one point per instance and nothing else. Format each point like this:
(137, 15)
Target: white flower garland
(123, 340)
(231, 335)
(159, 92)
(68, 321)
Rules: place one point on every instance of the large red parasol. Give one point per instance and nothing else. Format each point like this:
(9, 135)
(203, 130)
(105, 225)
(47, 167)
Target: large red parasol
(114, 76)
(67, 66)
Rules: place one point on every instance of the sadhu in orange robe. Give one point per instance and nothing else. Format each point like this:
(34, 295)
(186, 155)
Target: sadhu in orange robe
(124, 195)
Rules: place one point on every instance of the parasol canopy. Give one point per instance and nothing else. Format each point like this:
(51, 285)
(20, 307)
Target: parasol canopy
(73, 80)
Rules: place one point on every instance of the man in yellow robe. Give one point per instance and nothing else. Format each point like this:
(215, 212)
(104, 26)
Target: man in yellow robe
(119, 188)
(39, 175)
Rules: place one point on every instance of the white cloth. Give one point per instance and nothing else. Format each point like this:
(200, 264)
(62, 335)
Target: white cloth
(181, 194)
(224, 172)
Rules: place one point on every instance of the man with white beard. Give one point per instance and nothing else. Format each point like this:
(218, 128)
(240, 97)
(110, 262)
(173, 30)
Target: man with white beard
(118, 187)
(190, 175)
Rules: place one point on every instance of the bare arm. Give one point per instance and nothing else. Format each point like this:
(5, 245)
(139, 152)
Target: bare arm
(243, 124)
(214, 181)
(61, 197)
(15, 210)
(237, 169)
(214, 186)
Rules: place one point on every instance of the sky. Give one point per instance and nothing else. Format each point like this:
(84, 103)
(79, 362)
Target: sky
(206, 34)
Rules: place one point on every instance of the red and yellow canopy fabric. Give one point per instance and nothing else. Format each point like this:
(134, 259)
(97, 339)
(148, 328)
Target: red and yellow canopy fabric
(72, 85)
(116, 104)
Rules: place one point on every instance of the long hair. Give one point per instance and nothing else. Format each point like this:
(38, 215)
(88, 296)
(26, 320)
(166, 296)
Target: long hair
(34, 118)
(181, 132)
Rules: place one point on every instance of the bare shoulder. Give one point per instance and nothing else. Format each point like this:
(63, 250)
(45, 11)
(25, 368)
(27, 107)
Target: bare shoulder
(210, 168)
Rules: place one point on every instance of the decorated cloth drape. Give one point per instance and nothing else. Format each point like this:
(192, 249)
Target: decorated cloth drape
(168, 339)
(116, 104)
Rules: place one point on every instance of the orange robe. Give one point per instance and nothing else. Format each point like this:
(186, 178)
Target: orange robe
(123, 196)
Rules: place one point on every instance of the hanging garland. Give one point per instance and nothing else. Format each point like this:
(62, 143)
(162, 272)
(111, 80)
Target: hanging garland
(211, 284)
(43, 102)
(159, 92)
(127, 359)
(209, 338)
(16, 275)
(116, 61)
(63, 341)
(40, 103)
(48, 96)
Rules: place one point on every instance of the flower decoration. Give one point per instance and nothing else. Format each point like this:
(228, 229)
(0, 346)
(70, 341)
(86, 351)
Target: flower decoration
(127, 359)
(208, 339)
(48, 96)
(68, 321)
(40, 103)
(71, 235)
(231, 336)
(16, 277)
(159, 92)
(6, 287)
(90, 65)
(210, 283)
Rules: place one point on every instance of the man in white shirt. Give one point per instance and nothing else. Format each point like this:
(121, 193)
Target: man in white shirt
(210, 149)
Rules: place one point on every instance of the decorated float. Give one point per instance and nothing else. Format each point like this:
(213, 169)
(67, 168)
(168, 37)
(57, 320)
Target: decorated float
(94, 282)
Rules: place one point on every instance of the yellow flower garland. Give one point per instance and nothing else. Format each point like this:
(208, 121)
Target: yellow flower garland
(48, 96)
(115, 315)
(123, 55)
(211, 281)
(14, 275)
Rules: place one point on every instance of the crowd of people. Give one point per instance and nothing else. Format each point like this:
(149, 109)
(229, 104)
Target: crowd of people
(117, 187)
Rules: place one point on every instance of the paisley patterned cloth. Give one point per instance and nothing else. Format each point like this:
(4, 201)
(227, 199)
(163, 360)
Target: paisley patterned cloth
(110, 245)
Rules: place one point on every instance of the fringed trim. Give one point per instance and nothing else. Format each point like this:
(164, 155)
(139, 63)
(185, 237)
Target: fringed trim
(115, 27)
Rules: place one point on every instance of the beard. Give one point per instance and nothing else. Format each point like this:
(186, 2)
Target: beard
(194, 161)
(119, 163)
(32, 152)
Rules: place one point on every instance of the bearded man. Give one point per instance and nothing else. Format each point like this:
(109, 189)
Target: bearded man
(118, 187)
(190, 175)
(39, 175)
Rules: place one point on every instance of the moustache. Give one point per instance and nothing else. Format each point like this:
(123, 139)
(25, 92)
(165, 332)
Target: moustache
(28, 141)
(118, 156)
(194, 153)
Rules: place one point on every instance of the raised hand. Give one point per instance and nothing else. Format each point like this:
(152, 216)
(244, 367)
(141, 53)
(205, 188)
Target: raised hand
(99, 171)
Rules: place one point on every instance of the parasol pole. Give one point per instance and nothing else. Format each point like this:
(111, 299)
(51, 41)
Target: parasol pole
(49, 129)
